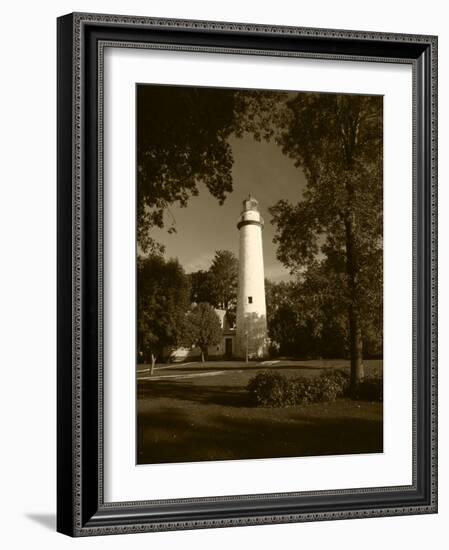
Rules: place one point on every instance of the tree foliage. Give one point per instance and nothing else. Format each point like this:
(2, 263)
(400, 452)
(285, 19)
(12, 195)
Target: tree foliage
(182, 141)
(303, 321)
(201, 287)
(163, 298)
(218, 285)
(202, 328)
(336, 228)
(224, 278)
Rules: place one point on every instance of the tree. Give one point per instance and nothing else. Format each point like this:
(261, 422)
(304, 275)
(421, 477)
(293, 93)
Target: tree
(337, 141)
(302, 318)
(223, 278)
(218, 285)
(283, 318)
(201, 287)
(163, 298)
(202, 328)
(182, 140)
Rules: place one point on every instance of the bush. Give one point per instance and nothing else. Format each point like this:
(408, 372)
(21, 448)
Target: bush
(370, 389)
(268, 389)
(272, 389)
(334, 382)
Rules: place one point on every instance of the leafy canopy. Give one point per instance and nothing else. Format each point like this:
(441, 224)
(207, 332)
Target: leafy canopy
(337, 140)
(202, 327)
(182, 141)
(163, 298)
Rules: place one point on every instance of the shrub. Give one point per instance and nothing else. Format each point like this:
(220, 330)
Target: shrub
(334, 382)
(272, 389)
(370, 389)
(268, 389)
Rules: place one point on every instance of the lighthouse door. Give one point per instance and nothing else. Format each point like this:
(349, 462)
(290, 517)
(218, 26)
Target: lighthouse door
(228, 347)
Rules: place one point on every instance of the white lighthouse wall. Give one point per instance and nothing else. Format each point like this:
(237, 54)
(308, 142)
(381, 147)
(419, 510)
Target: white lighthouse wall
(251, 307)
(251, 270)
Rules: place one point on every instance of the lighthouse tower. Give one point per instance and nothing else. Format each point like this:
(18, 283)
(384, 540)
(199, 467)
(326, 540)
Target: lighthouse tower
(251, 322)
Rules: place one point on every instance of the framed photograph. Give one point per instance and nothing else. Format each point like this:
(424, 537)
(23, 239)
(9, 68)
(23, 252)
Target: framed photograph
(247, 274)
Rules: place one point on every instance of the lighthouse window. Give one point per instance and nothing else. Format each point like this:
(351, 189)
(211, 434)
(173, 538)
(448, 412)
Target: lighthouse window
(250, 299)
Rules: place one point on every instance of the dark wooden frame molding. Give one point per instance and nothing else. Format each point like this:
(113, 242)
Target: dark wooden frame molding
(81, 509)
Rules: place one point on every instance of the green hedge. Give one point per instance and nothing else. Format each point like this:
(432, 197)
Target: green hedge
(272, 389)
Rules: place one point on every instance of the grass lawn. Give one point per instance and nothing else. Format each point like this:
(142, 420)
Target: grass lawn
(201, 411)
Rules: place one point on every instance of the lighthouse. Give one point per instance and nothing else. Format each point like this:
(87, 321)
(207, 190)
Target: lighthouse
(251, 322)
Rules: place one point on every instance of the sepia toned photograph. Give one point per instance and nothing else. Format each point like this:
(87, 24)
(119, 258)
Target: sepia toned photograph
(259, 269)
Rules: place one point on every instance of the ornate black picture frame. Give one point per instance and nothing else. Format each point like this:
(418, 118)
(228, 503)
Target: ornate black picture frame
(81, 509)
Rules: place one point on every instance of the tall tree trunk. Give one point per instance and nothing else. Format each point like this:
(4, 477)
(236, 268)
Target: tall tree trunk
(355, 329)
(202, 355)
(153, 362)
(357, 370)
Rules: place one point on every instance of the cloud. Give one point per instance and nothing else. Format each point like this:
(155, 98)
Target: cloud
(201, 262)
(277, 272)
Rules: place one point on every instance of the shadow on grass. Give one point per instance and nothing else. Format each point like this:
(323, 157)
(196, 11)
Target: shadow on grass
(232, 367)
(201, 394)
(170, 435)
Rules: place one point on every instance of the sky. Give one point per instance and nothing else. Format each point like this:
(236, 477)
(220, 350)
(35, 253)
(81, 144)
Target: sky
(260, 168)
